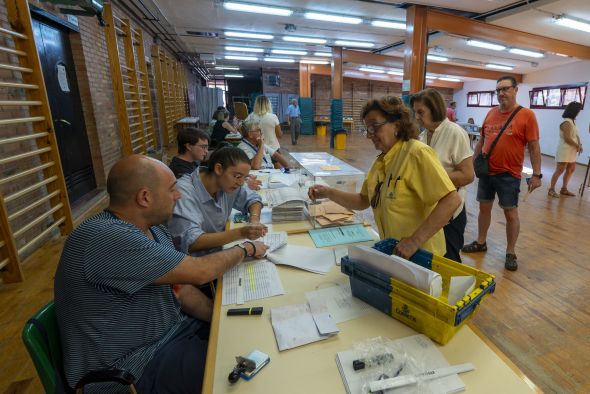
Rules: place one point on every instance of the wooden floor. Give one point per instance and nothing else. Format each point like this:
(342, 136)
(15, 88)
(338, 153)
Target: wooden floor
(539, 316)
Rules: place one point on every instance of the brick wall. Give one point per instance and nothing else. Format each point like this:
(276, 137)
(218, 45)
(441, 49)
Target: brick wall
(289, 81)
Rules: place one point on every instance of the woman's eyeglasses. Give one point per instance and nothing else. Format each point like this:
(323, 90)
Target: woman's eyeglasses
(376, 195)
(371, 129)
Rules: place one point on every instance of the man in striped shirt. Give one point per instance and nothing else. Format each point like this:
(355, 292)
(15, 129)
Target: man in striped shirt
(113, 295)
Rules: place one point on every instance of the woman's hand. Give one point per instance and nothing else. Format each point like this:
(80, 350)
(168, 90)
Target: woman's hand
(406, 248)
(318, 191)
(580, 149)
(253, 231)
(253, 183)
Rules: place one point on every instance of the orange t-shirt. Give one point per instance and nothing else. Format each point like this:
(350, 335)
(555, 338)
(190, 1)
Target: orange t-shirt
(508, 155)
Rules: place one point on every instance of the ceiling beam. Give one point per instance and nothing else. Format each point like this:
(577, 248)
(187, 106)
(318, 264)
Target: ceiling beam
(374, 59)
(466, 27)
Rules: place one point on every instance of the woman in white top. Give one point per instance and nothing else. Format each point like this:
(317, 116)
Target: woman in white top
(451, 143)
(567, 150)
(262, 114)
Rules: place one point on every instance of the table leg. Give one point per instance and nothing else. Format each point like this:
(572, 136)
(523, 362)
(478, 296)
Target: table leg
(585, 179)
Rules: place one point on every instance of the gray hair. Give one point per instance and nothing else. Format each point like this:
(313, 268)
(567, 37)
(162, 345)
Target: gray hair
(247, 125)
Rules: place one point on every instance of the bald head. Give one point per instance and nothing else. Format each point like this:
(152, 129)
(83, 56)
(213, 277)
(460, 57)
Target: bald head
(132, 173)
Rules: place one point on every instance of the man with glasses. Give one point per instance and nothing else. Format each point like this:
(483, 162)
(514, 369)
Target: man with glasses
(505, 166)
(193, 146)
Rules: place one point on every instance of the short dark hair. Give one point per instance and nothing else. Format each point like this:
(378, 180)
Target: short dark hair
(433, 100)
(572, 110)
(227, 156)
(190, 135)
(508, 78)
(394, 110)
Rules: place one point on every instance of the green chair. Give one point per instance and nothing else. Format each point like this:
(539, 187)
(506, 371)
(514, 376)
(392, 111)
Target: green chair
(41, 338)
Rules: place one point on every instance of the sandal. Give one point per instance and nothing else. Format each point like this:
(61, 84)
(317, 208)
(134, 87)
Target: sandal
(474, 247)
(566, 192)
(552, 193)
(511, 264)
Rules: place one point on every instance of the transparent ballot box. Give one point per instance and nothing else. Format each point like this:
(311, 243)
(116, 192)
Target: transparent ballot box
(325, 169)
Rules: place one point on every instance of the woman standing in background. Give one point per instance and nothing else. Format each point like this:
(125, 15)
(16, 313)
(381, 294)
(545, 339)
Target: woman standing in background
(263, 115)
(567, 150)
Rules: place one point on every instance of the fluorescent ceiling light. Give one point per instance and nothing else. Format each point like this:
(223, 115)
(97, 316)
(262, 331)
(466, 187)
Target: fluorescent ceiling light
(389, 24)
(311, 61)
(233, 76)
(258, 36)
(247, 58)
(499, 66)
(259, 9)
(244, 49)
(430, 76)
(354, 44)
(279, 60)
(234, 68)
(310, 40)
(332, 18)
(524, 52)
(449, 79)
(572, 23)
(396, 72)
(324, 54)
(561, 54)
(288, 52)
(371, 70)
(437, 58)
(487, 45)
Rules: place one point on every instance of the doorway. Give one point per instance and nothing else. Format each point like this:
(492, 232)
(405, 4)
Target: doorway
(53, 44)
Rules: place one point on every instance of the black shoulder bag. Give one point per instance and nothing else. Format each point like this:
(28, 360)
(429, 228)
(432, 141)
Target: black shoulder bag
(481, 163)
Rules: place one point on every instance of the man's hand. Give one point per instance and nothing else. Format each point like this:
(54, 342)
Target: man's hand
(534, 183)
(318, 191)
(257, 251)
(253, 231)
(406, 248)
(253, 183)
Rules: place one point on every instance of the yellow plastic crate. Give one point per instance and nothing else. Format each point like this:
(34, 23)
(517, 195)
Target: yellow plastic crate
(433, 317)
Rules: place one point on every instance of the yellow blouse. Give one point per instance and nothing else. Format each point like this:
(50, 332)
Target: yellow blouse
(412, 182)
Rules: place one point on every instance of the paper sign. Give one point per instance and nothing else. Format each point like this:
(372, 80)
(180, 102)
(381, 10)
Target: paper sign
(62, 78)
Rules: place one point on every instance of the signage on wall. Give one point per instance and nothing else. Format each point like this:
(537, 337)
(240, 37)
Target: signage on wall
(62, 78)
(72, 19)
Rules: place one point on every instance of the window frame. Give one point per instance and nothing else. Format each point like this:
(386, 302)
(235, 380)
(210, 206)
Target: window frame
(543, 90)
(479, 93)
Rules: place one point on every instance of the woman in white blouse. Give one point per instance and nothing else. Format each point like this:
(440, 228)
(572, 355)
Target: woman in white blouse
(262, 114)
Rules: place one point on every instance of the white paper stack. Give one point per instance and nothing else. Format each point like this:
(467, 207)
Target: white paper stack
(319, 261)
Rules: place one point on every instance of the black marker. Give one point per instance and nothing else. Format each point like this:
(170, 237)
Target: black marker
(257, 310)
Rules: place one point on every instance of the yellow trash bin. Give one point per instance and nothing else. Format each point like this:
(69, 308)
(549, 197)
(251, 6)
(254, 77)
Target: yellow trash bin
(321, 130)
(340, 139)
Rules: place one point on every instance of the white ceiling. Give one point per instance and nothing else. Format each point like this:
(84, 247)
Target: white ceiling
(211, 16)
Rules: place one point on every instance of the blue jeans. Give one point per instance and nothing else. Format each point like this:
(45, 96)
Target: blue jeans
(505, 185)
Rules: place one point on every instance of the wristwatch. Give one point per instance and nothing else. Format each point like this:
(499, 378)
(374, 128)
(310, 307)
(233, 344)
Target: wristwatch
(540, 176)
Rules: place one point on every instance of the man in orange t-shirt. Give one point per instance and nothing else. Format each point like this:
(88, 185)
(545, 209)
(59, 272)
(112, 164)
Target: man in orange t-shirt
(505, 166)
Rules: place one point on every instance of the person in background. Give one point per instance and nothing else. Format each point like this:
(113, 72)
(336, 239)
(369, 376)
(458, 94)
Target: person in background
(410, 192)
(451, 112)
(451, 143)
(470, 121)
(114, 304)
(260, 155)
(294, 121)
(222, 127)
(193, 146)
(209, 194)
(505, 166)
(271, 127)
(214, 116)
(568, 149)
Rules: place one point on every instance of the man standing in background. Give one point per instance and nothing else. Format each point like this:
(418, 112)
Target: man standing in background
(451, 113)
(294, 120)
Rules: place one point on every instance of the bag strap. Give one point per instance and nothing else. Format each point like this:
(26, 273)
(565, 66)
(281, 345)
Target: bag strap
(512, 115)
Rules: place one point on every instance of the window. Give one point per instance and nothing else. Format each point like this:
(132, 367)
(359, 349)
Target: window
(557, 97)
(482, 99)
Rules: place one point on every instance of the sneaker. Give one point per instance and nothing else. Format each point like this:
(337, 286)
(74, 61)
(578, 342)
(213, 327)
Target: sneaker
(552, 193)
(511, 264)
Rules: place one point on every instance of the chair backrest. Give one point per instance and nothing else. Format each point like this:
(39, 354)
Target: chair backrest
(36, 344)
(240, 110)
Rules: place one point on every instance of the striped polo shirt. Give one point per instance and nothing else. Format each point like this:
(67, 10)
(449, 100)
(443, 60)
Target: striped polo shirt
(109, 311)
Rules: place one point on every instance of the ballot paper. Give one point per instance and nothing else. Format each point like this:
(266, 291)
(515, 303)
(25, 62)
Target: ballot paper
(459, 287)
(251, 281)
(274, 241)
(331, 236)
(274, 197)
(278, 180)
(412, 274)
(319, 261)
(297, 325)
(340, 302)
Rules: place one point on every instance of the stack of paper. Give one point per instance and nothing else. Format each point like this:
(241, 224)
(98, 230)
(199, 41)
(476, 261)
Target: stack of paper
(319, 261)
(328, 213)
(287, 203)
(251, 281)
(274, 241)
(297, 325)
(418, 348)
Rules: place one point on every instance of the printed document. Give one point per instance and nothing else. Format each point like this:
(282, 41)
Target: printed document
(319, 261)
(340, 302)
(251, 281)
(331, 236)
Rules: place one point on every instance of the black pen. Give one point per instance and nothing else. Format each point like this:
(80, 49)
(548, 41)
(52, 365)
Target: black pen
(341, 232)
(257, 310)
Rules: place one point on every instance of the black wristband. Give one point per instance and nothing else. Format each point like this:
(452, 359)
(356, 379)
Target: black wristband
(253, 245)
(243, 248)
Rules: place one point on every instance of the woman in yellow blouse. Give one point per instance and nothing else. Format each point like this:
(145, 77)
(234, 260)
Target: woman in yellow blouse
(410, 192)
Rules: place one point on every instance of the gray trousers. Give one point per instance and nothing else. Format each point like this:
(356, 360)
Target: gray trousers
(295, 129)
